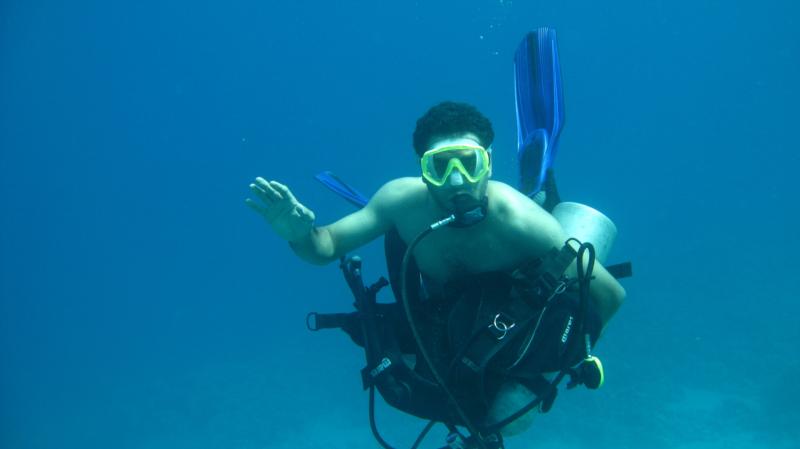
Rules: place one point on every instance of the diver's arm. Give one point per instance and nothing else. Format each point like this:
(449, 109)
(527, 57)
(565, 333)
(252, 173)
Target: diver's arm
(606, 293)
(320, 245)
(540, 232)
(315, 247)
(361, 227)
(325, 244)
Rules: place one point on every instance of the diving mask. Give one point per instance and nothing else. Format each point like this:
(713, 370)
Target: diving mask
(471, 161)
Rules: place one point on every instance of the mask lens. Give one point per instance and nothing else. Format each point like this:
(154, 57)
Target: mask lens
(440, 162)
(469, 160)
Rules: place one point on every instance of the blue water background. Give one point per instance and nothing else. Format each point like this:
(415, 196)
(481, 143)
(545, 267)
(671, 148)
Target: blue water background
(143, 306)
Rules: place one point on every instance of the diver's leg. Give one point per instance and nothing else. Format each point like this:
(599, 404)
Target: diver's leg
(512, 397)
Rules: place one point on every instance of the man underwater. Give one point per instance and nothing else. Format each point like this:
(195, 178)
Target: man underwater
(453, 142)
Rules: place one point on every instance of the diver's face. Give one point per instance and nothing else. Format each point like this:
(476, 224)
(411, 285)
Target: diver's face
(457, 184)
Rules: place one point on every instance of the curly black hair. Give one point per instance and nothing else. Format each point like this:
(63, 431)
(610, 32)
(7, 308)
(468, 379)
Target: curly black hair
(450, 119)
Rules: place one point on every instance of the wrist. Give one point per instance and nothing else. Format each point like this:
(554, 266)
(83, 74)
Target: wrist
(302, 239)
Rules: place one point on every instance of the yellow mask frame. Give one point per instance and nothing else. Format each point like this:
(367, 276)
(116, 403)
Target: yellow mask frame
(472, 161)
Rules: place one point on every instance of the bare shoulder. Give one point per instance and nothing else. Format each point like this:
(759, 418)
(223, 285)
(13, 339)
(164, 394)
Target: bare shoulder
(523, 218)
(398, 193)
(510, 203)
(398, 188)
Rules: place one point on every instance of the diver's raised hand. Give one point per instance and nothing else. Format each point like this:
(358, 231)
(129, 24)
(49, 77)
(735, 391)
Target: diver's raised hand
(290, 219)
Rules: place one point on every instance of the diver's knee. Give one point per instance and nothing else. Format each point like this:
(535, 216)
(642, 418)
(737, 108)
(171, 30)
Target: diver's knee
(510, 399)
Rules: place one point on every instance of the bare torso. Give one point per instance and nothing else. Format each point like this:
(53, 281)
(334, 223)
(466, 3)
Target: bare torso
(495, 244)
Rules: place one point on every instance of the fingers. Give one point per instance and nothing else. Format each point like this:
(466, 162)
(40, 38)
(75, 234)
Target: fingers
(283, 191)
(305, 213)
(265, 192)
(253, 205)
(276, 200)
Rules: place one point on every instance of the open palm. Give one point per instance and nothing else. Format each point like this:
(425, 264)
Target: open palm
(288, 217)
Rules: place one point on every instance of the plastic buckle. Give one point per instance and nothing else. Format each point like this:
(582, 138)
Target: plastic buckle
(500, 326)
(455, 441)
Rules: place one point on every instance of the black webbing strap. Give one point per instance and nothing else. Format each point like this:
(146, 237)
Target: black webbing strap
(620, 270)
(316, 321)
(535, 279)
(552, 270)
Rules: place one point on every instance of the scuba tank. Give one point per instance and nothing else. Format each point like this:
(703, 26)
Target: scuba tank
(587, 225)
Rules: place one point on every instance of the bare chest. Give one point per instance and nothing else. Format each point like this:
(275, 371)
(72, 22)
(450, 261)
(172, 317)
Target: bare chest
(445, 255)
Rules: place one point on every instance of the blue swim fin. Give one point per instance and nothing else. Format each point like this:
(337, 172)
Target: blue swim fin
(540, 107)
(341, 188)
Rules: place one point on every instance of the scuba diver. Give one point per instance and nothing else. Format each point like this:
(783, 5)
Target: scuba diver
(496, 302)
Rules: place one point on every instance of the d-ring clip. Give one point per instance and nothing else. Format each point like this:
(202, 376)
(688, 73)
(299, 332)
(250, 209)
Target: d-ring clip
(500, 326)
